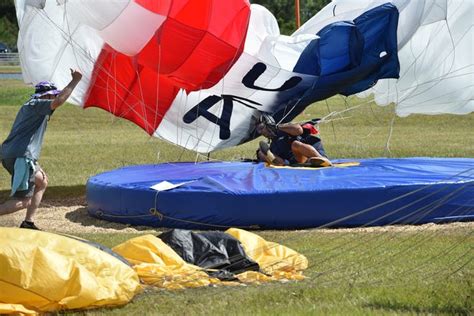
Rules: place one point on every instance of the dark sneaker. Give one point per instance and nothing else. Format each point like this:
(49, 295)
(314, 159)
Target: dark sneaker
(29, 225)
(319, 162)
(265, 150)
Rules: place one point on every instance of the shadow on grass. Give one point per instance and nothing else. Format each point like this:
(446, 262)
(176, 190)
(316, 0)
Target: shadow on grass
(58, 195)
(82, 217)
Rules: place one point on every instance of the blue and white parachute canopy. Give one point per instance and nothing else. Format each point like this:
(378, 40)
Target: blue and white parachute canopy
(201, 83)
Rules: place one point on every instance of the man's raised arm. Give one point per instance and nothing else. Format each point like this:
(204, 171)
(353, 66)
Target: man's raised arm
(66, 92)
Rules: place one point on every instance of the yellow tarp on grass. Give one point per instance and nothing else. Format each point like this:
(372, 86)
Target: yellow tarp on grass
(42, 271)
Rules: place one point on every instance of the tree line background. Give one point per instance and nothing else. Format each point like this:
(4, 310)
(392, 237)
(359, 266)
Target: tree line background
(284, 11)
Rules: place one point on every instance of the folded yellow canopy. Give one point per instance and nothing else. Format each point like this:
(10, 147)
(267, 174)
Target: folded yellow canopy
(159, 265)
(41, 271)
(275, 260)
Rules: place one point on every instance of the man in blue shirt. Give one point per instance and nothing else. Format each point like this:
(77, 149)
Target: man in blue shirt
(20, 152)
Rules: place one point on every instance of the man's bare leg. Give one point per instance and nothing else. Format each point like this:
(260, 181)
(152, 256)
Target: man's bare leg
(305, 153)
(41, 182)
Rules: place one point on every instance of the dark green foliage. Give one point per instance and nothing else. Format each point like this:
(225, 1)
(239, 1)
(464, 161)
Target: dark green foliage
(8, 25)
(284, 11)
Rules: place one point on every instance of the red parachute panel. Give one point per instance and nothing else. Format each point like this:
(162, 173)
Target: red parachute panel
(133, 92)
(198, 43)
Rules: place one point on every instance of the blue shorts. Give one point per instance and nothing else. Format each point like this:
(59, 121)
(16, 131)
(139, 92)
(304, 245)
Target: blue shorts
(9, 165)
(282, 148)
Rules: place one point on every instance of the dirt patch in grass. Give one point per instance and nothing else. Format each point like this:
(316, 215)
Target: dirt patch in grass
(70, 216)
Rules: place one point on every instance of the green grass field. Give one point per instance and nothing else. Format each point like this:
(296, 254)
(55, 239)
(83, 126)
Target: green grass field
(7, 69)
(404, 270)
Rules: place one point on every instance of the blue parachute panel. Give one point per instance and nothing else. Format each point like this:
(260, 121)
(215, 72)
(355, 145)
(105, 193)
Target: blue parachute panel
(242, 194)
(348, 57)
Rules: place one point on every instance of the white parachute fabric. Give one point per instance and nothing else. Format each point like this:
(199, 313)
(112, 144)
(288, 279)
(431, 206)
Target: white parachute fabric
(50, 41)
(436, 60)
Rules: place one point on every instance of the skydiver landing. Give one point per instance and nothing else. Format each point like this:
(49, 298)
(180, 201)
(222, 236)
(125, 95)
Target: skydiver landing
(291, 144)
(20, 152)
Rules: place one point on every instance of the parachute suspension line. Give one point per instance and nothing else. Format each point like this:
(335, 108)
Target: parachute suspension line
(423, 58)
(288, 112)
(231, 64)
(443, 254)
(426, 209)
(324, 119)
(346, 103)
(464, 265)
(349, 246)
(157, 87)
(392, 123)
(141, 103)
(327, 118)
(387, 151)
(68, 42)
(181, 152)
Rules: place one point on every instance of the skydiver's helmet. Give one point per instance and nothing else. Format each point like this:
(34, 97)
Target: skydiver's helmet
(45, 88)
(267, 121)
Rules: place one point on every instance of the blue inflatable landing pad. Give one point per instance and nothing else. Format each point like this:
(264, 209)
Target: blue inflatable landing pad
(217, 195)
